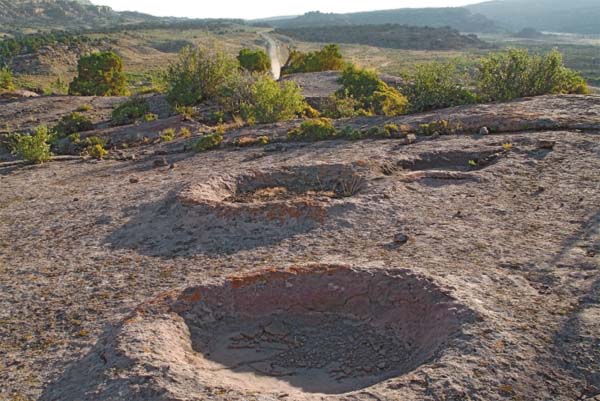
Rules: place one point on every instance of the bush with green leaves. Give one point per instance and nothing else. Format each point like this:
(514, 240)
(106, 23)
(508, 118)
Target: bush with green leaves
(167, 135)
(271, 101)
(198, 75)
(34, 148)
(318, 129)
(329, 58)
(72, 124)
(6, 79)
(130, 110)
(372, 95)
(208, 141)
(516, 73)
(254, 60)
(99, 74)
(437, 86)
(342, 107)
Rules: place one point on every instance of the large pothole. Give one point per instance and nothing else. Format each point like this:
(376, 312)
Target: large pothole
(326, 330)
(452, 161)
(296, 192)
(297, 334)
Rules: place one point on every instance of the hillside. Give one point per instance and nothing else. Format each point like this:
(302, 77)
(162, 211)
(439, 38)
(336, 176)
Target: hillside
(576, 16)
(457, 18)
(20, 15)
(388, 36)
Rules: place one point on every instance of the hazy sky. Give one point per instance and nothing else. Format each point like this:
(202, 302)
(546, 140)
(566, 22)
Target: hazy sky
(264, 8)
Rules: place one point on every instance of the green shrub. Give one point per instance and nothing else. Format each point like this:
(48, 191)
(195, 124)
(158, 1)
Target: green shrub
(57, 87)
(73, 123)
(329, 58)
(167, 135)
(95, 140)
(33, 148)
(130, 110)
(207, 142)
(516, 73)
(371, 94)
(319, 129)
(254, 60)
(437, 86)
(441, 127)
(6, 79)
(96, 151)
(198, 75)
(187, 112)
(85, 107)
(99, 74)
(149, 117)
(184, 132)
(271, 101)
(342, 107)
(245, 141)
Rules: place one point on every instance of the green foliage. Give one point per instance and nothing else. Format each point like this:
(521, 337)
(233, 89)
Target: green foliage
(516, 73)
(73, 123)
(85, 107)
(33, 148)
(99, 74)
(130, 110)
(187, 112)
(57, 87)
(437, 86)
(271, 101)
(246, 141)
(254, 60)
(149, 117)
(327, 59)
(184, 132)
(441, 127)
(198, 75)
(208, 141)
(167, 135)
(97, 151)
(342, 107)
(6, 79)
(373, 96)
(319, 129)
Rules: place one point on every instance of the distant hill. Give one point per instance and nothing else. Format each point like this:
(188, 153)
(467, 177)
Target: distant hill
(19, 15)
(392, 36)
(458, 18)
(574, 16)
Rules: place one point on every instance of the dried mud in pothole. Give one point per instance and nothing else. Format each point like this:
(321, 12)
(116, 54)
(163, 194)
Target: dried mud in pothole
(301, 331)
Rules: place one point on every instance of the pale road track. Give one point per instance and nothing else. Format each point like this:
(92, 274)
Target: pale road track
(272, 50)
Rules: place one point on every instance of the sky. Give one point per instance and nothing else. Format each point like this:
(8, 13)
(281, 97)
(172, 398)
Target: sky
(250, 9)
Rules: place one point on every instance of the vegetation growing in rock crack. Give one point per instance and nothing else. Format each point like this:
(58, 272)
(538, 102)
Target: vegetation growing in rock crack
(130, 110)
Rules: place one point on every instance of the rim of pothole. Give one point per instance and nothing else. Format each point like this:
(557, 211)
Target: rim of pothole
(278, 193)
(308, 332)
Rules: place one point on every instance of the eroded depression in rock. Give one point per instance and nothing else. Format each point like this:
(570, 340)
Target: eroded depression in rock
(324, 330)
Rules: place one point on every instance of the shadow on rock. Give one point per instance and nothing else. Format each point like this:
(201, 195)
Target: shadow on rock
(170, 228)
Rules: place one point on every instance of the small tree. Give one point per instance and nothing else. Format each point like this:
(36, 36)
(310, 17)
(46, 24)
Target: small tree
(516, 73)
(6, 79)
(254, 60)
(329, 58)
(371, 94)
(99, 74)
(270, 101)
(198, 75)
(436, 86)
(33, 148)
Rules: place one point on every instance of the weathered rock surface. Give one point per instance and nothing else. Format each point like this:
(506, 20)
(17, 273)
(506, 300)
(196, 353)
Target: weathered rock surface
(508, 236)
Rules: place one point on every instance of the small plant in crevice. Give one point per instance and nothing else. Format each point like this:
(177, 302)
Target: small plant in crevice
(441, 127)
(167, 135)
(245, 141)
(319, 129)
(208, 141)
